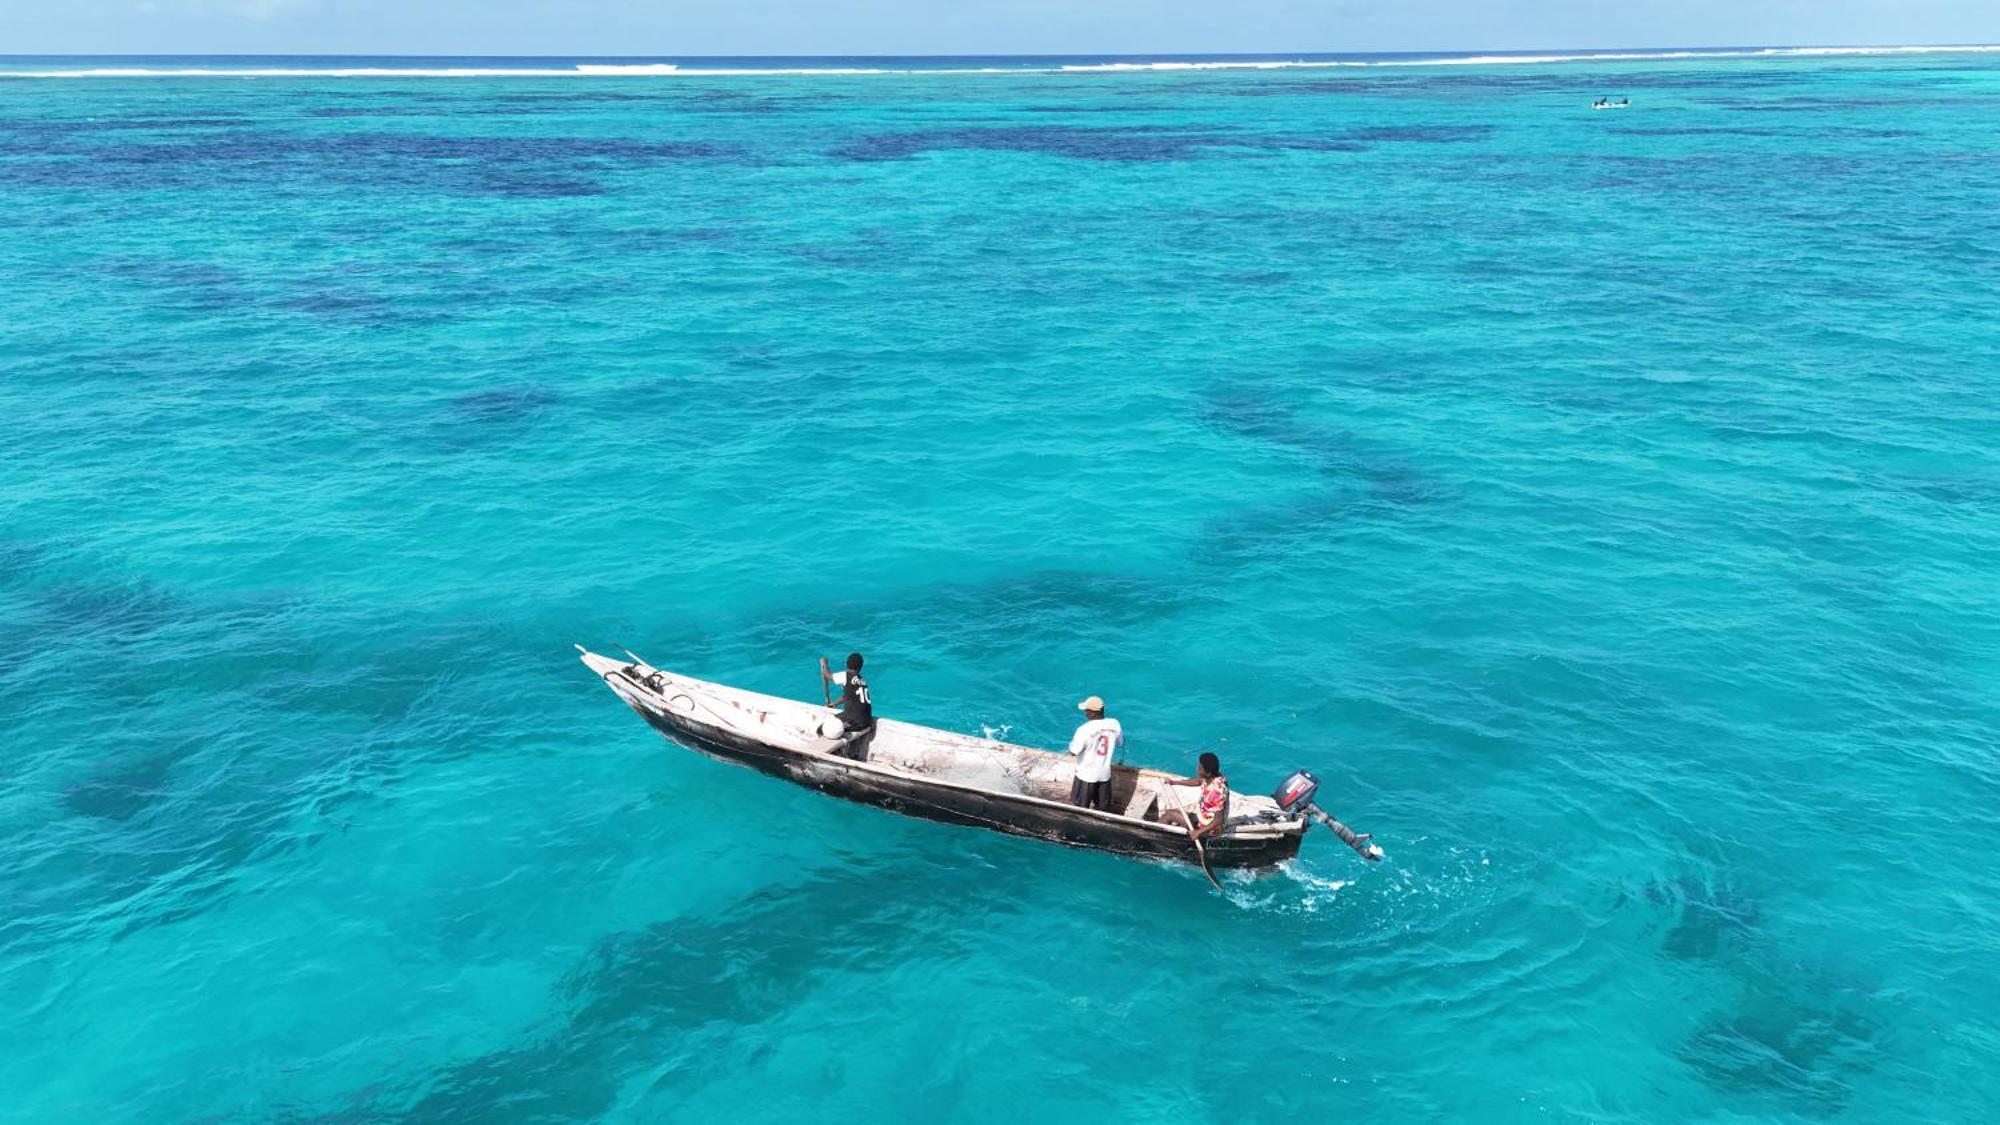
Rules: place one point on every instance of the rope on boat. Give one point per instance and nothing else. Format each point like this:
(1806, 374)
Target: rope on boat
(694, 702)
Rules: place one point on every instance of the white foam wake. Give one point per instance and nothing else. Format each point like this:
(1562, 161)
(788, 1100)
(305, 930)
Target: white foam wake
(675, 70)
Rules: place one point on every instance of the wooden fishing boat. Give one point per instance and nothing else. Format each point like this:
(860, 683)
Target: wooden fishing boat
(954, 778)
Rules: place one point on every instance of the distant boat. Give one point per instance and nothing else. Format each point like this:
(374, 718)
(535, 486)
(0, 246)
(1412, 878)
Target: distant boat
(956, 778)
(1607, 103)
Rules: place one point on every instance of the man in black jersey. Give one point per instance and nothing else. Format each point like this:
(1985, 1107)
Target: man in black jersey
(857, 710)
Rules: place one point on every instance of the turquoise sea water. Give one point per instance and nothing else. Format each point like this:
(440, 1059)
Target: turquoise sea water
(1605, 504)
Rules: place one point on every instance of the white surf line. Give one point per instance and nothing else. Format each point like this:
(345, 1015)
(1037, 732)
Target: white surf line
(676, 70)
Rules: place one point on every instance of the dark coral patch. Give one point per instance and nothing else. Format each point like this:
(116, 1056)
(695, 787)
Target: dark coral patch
(1128, 145)
(1420, 134)
(501, 404)
(1785, 1046)
(122, 790)
(1111, 144)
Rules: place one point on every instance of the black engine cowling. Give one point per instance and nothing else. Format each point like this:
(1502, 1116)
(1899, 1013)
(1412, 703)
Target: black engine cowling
(1295, 793)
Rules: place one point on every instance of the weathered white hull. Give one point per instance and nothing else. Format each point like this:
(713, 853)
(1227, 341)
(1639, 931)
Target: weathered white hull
(938, 775)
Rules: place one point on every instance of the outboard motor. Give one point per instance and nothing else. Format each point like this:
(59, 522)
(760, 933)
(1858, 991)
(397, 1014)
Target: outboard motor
(1295, 793)
(1295, 796)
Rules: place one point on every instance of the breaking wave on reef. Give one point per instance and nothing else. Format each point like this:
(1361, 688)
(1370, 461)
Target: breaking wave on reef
(946, 66)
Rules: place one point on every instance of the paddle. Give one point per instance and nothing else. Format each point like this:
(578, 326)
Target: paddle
(1200, 852)
(826, 681)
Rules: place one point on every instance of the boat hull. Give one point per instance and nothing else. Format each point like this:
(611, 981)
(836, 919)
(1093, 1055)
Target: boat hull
(994, 811)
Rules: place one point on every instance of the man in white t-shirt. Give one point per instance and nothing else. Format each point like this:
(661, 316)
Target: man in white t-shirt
(1096, 745)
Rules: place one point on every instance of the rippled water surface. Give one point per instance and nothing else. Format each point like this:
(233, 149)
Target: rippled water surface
(1606, 504)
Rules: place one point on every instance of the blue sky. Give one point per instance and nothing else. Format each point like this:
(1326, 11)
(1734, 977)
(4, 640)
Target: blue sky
(754, 27)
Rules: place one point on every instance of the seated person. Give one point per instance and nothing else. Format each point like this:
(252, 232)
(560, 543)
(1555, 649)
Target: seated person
(1211, 810)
